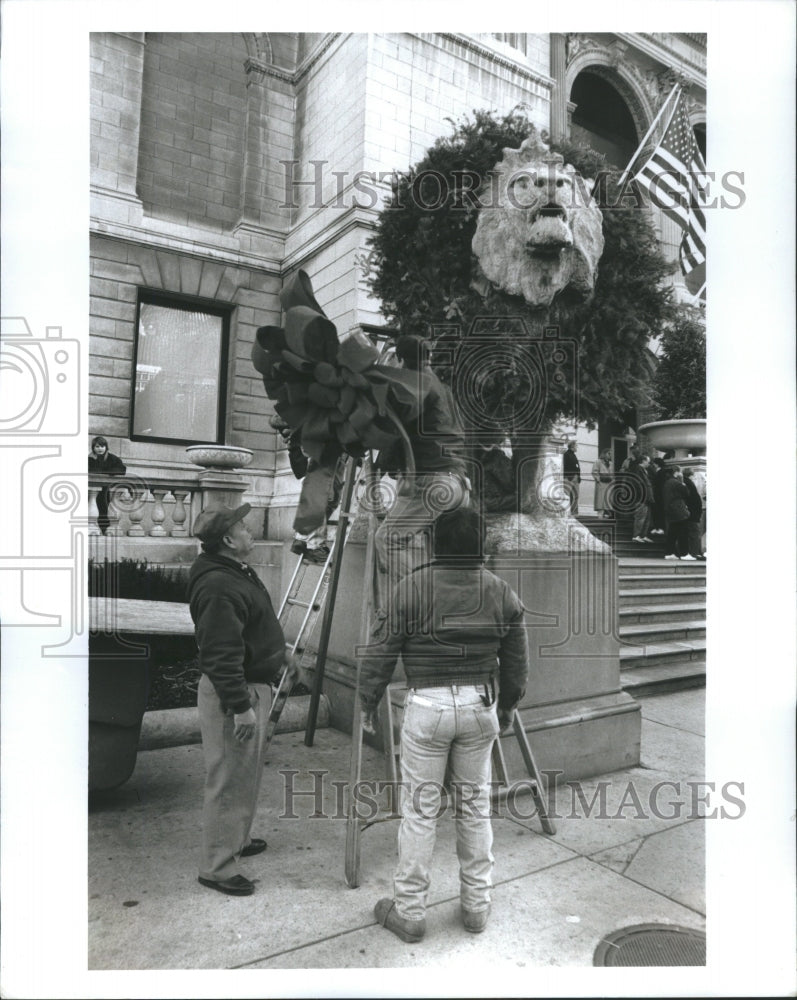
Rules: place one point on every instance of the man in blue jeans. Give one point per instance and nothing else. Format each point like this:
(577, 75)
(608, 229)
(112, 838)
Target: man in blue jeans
(458, 628)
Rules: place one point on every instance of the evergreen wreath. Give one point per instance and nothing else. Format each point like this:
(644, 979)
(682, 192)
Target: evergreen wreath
(421, 267)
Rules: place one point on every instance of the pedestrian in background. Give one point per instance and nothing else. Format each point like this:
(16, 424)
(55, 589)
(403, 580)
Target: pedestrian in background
(656, 473)
(602, 473)
(643, 495)
(695, 504)
(676, 513)
(571, 469)
(104, 463)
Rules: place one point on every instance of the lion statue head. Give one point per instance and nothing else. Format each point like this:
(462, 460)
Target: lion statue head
(539, 232)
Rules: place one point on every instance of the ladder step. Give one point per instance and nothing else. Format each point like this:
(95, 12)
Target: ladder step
(302, 604)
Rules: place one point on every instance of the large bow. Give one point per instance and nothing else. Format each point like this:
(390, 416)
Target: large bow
(330, 393)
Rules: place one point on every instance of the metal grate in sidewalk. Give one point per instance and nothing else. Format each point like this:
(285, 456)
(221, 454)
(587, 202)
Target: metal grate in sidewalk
(652, 945)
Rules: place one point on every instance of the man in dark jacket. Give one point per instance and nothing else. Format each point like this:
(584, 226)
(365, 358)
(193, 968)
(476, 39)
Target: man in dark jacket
(571, 468)
(241, 652)
(437, 439)
(676, 513)
(695, 504)
(458, 629)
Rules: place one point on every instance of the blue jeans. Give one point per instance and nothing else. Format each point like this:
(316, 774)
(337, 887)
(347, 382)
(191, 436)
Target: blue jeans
(445, 725)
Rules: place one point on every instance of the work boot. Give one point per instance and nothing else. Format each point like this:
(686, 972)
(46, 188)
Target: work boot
(475, 920)
(410, 931)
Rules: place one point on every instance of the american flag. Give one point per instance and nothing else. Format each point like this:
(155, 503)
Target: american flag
(675, 177)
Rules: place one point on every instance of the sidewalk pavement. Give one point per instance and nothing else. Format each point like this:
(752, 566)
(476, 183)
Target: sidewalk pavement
(607, 867)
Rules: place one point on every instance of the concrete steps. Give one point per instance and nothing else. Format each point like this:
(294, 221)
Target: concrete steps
(659, 595)
(661, 612)
(662, 625)
(654, 632)
(640, 615)
(617, 533)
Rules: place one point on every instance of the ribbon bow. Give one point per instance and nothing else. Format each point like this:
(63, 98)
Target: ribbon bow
(329, 392)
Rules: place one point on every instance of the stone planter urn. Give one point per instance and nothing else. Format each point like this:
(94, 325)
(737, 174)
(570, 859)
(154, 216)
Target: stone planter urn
(219, 483)
(684, 437)
(219, 456)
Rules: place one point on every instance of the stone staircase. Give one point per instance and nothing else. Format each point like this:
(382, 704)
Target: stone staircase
(661, 613)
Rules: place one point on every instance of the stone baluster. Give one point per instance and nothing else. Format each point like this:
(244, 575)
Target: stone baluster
(179, 514)
(94, 528)
(113, 530)
(158, 514)
(137, 511)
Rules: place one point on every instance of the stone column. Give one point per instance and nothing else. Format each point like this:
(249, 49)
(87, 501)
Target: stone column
(253, 161)
(559, 119)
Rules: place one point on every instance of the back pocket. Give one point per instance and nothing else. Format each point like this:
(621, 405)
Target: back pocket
(423, 720)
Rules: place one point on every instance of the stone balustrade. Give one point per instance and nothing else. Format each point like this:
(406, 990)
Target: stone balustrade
(157, 506)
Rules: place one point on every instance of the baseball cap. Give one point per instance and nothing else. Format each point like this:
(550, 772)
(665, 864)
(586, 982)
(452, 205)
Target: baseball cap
(214, 522)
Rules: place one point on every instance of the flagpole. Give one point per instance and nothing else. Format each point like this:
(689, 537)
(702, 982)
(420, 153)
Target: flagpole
(632, 161)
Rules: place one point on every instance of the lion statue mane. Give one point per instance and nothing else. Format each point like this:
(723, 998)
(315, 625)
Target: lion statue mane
(539, 232)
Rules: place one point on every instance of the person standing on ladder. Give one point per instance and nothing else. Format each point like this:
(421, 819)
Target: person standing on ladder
(456, 625)
(439, 482)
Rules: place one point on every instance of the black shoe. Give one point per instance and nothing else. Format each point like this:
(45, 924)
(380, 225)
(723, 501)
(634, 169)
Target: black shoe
(298, 547)
(255, 846)
(410, 931)
(235, 886)
(318, 556)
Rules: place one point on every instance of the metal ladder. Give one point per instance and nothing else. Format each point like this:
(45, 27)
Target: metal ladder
(321, 597)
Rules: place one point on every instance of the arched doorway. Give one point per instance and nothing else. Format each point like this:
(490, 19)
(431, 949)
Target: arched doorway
(602, 119)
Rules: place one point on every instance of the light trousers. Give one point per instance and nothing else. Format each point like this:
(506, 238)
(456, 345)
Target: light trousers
(445, 726)
(642, 520)
(403, 540)
(234, 769)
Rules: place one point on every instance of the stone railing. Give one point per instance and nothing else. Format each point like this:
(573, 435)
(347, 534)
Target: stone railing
(158, 506)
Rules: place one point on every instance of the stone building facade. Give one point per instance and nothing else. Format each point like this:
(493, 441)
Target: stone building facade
(221, 163)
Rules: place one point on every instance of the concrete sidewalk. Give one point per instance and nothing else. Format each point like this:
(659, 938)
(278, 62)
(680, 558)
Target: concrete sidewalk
(612, 863)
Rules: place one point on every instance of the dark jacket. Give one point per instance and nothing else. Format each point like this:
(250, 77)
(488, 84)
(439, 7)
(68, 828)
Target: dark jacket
(571, 466)
(108, 465)
(675, 506)
(436, 434)
(452, 623)
(642, 489)
(239, 637)
(693, 501)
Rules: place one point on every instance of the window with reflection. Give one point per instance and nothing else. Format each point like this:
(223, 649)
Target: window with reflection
(180, 371)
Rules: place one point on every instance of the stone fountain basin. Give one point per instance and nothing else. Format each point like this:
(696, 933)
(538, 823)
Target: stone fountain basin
(676, 435)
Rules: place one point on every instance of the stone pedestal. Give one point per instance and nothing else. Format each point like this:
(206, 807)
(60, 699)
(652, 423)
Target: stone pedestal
(578, 719)
(218, 488)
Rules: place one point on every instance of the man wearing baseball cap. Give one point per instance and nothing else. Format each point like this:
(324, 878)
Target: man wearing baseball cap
(241, 651)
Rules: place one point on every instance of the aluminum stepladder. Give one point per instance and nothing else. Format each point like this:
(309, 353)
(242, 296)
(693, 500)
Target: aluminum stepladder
(391, 701)
(320, 595)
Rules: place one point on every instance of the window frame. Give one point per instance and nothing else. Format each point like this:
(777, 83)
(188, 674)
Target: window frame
(185, 303)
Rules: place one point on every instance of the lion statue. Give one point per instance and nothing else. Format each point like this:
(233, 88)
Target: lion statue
(539, 232)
